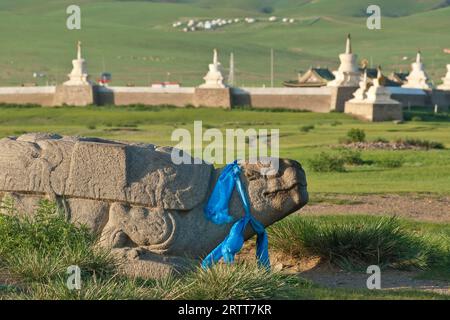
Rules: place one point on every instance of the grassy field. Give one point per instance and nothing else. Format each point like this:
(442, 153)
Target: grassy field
(421, 170)
(33, 267)
(135, 40)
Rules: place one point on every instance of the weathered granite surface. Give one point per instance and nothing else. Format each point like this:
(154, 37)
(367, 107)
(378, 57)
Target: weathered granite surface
(149, 210)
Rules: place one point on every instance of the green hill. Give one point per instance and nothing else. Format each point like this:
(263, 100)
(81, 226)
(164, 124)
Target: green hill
(135, 40)
(356, 8)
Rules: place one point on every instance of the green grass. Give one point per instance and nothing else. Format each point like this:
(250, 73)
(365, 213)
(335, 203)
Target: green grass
(222, 282)
(338, 161)
(136, 42)
(359, 241)
(421, 170)
(41, 247)
(390, 162)
(36, 250)
(62, 243)
(206, 285)
(325, 162)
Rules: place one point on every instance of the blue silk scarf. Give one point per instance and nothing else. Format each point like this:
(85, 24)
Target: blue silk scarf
(216, 210)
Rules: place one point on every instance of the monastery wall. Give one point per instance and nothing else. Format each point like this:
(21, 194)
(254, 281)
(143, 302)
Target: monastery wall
(27, 95)
(411, 97)
(311, 99)
(339, 96)
(322, 99)
(441, 98)
(122, 96)
(374, 112)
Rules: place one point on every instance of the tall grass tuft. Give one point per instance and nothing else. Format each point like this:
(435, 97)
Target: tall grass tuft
(113, 288)
(223, 282)
(353, 243)
(43, 245)
(241, 281)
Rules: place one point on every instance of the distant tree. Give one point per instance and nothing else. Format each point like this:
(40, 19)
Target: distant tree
(267, 10)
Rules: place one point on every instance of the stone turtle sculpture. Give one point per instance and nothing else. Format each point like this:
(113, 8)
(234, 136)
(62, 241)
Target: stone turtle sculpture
(143, 206)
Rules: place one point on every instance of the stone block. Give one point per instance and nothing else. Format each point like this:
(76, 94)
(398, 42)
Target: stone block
(339, 96)
(213, 98)
(79, 96)
(375, 111)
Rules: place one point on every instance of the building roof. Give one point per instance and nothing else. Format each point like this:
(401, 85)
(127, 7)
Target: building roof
(314, 77)
(324, 73)
(399, 77)
(388, 81)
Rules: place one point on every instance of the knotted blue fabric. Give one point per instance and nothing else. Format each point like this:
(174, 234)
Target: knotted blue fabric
(216, 210)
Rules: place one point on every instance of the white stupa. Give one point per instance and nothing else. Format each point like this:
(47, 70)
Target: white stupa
(417, 79)
(361, 94)
(214, 78)
(79, 75)
(348, 74)
(374, 103)
(446, 84)
(378, 93)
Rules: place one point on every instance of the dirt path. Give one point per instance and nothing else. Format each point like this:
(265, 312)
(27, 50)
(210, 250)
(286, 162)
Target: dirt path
(6, 279)
(390, 280)
(432, 208)
(330, 276)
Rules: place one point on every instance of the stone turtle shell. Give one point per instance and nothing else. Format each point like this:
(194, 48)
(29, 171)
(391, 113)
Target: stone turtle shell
(97, 169)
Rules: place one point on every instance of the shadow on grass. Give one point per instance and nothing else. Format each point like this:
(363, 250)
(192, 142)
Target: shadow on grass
(18, 106)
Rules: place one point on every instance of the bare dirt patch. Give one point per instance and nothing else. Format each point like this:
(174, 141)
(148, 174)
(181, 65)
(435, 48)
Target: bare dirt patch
(329, 276)
(6, 279)
(423, 207)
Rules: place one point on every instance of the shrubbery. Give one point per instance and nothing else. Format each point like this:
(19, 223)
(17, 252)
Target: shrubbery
(390, 162)
(306, 128)
(425, 144)
(381, 139)
(335, 162)
(351, 157)
(356, 135)
(267, 9)
(335, 123)
(325, 162)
